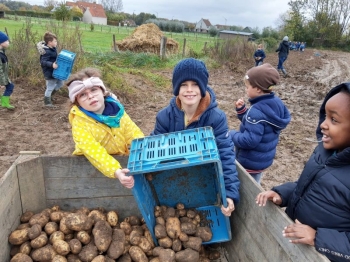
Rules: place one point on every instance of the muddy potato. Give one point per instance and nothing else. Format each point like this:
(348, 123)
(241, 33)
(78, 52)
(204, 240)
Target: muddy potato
(108, 259)
(40, 241)
(160, 221)
(183, 237)
(133, 220)
(59, 258)
(187, 255)
(47, 212)
(75, 246)
(204, 233)
(125, 258)
(112, 218)
(51, 227)
(177, 245)
(160, 231)
(73, 258)
(191, 214)
(155, 259)
(83, 210)
(144, 244)
(169, 212)
(165, 242)
(63, 226)
(21, 258)
(83, 237)
(99, 258)
(61, 247)
(40, 219)
(18, 237)
(55, 208)
(126, 227)
(25, 248)
(137, 254)
(188, 228)
(88, 253)
(58, 235)
(34, 231)
(214, 255)
(116, 249)
(56, 216)
(78, 222)
(194, 243)
(23, 226)
(68, 237)
(97, 215)
(102, 233)
(168, 255)
(173, 227)
(135, 237)
(25, 217)
(45, 253)
(149, 237)
(204, 259)
(14, 250)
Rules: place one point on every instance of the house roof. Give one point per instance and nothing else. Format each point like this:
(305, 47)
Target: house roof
(235, 32)
(206, 22)
(96, 10)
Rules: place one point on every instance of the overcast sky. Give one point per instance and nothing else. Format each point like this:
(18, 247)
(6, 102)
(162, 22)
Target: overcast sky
(253, 13)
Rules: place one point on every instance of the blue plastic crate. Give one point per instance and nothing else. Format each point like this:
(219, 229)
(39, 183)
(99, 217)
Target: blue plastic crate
(180, 167)
(65, 61)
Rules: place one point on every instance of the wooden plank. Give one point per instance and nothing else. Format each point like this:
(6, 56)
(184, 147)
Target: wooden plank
(264, 226)
(10, 209)
(125, 206)
(31, 184)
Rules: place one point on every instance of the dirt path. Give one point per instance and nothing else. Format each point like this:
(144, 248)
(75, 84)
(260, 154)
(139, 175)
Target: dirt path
(312, 74)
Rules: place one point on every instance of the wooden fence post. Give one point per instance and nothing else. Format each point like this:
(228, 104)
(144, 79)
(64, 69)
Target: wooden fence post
(163, 47)
(184, 48)
(114, 45)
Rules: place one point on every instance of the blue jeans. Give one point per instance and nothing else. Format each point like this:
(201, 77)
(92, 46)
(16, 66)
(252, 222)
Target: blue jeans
(52, 84)
(258, 63)
(9, 89)
(281, 61)
(257, 177)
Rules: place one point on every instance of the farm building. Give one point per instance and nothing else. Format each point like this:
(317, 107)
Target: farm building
(202, 26)
(226, 34)
(92, 12)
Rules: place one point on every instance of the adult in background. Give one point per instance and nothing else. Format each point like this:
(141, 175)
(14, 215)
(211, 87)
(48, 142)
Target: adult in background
(283, 52)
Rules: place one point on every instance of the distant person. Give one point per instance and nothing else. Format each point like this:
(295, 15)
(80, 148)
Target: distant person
(194, 105)
(5, 81)
(283, 52)
(259, 55)
(48, 57)
(319, 201)
(100, 126)
(302, 47)
(262, 123)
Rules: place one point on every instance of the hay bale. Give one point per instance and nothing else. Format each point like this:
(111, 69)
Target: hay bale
(146, 38)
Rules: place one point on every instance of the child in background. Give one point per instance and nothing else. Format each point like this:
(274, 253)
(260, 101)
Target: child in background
(319, 202)
(283, 52)
(100, 126)
(48, 56)
(259, 55)
(262, 123)
(5, 81)
(302, 47)
(194, 105)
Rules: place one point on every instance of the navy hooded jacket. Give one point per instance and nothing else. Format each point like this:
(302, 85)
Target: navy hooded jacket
(47, 58)
(321, 196)
(283, 49)
(259, 131)
(171, 119)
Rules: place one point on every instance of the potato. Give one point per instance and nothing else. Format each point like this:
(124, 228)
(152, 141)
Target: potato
(144, 244)
(191, 214)
(55, 208)
(21, 258)
(214, 255)
(194, 243)
(188, 228)
(73, 258)
(45, 253)
(88, 253)
(126, 227)
(170, 212)
(18, 237)
(63, 226)
(155, 259)
(23, 226)
(58, 235)
(187, 255)
(56, 216)
(99, 258)
(26, 216)
(173, 227)
(125, 258)
(183, 237)
(165, 242)
(137, 254)
(112, 218)
(59, 258)
(83, 237)
(168, 255)
(177, 245)
(133, 220)
(102, 233)
(68, 237)
(149, 237)
(51, 227)
(61, 247)
(25, 248)
(83, 210)
(75, 246)
(47, 212)
(34, 231)
(78, 222)
(204, 233)
(160, 231)
(40, 241)
(97, 215)
(40, 219)
(14, 250)
(118, 235)
(108, 259)
(160, 221)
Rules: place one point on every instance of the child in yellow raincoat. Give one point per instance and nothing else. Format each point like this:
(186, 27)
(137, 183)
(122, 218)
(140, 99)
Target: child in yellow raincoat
(100, 125)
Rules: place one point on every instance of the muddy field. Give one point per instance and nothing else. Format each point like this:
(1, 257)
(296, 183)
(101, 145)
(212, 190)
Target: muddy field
(311, 74)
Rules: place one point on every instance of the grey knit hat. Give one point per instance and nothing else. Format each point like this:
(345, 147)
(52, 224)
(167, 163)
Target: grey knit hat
(263, 77)
(190, 69)
(285, 38)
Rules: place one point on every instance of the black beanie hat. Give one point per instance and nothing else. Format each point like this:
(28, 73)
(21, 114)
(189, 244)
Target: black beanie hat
(263, 77)
(190, 69)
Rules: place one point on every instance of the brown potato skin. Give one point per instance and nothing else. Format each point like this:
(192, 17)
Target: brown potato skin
(75, 246)
(102, 233)
(45, 253)
(187, 255)
(137, 254)
(40, 219)
(26, 216)
(40, 241)
(18, 237)
(21, 258)
(61, 247)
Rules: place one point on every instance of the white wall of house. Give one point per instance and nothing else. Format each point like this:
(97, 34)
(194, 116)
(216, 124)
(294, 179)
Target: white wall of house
(200, 26)
(88, 18)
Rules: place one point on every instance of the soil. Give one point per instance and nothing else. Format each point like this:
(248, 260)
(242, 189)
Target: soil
(31, 127)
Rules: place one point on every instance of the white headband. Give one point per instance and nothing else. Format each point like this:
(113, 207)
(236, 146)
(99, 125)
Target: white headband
(78, 86)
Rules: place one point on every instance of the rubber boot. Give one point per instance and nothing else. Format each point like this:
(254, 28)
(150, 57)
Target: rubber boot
(47, 101)
(284, 72)
(52, 94)
(5, 102)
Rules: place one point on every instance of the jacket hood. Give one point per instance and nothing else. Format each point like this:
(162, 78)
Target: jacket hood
(41, 46)
(322, 114)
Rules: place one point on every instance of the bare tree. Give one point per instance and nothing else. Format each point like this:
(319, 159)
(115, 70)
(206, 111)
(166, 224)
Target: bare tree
(113, 6)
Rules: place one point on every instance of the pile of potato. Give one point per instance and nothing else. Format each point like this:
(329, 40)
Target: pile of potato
(95, 235)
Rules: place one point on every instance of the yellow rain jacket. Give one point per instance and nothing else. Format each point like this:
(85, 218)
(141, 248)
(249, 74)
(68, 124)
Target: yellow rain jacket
(97, 141)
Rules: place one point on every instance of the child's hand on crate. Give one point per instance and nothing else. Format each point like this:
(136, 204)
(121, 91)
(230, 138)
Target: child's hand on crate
(54, 65)
(229, 209)
(127, 181)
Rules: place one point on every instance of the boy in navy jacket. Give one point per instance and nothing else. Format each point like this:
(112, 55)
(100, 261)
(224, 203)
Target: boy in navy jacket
(259, 55)
(319, 202)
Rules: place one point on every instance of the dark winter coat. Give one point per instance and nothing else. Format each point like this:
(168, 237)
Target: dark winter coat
(321, 197)
(48, 56)
(258, 136)
(283, 49)
(171, 119)
(259, 53)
